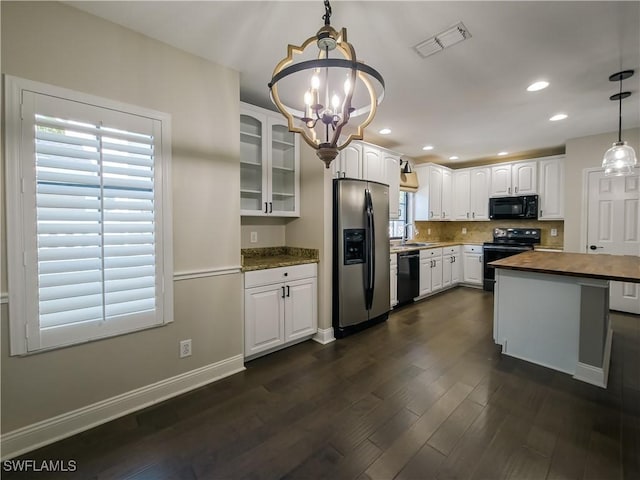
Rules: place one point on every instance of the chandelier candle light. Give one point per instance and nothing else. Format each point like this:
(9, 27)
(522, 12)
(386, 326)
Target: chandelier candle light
(322, 96)
(620, 158)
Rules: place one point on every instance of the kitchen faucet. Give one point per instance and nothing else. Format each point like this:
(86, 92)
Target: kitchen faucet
(405, 237)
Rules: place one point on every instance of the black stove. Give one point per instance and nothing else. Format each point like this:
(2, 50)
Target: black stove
(506, 242)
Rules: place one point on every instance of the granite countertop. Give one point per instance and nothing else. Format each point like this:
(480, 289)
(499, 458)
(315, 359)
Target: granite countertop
(623, 268)
(273, 257)
(423, 246)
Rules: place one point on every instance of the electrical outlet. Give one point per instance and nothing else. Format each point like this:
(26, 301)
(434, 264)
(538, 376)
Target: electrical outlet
(464, 231)
(185, 348)
(554, 232)
(254, 237)
(428, 231)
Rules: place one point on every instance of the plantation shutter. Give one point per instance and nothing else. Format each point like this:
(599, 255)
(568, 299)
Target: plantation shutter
(96, 245)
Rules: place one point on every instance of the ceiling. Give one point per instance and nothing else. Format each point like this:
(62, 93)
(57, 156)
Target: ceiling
(469, 100)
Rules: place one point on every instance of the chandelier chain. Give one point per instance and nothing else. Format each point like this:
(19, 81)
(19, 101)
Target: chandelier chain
(327, 13)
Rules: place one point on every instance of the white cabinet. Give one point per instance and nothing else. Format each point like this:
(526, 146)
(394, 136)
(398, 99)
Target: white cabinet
(280, 307)
(348, 163)
(551, 188)
(462, 194)
(269, 165)
(450, 266)
(447, 194)
(471, 193)
(472, 264)
(434, 193)
(393, 284)
(374, 167)
(430, 270)
(392, 164)
(518, 178)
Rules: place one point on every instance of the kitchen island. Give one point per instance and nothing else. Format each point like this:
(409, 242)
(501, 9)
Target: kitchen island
(552, 309)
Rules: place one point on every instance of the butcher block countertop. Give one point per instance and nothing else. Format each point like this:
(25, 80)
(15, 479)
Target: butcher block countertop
(624, 268)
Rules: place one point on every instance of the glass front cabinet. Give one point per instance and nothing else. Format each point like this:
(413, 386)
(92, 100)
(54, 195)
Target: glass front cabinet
(269, 165)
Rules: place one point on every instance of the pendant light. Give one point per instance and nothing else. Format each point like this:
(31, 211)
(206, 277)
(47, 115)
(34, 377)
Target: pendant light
(620, 158)
(322, 97)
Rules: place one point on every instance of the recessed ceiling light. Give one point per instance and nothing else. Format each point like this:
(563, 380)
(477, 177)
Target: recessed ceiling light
(558, 116)
(453, 157)
(502, 154)
(428, 147)
(534, 87)
(385, 131)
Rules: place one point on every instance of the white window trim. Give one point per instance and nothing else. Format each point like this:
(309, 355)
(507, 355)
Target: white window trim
(18, 282)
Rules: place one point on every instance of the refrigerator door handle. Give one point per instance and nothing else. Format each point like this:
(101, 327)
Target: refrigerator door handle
(370, 251)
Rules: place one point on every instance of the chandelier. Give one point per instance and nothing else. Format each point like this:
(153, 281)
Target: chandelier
(327, 100)
(620, 158)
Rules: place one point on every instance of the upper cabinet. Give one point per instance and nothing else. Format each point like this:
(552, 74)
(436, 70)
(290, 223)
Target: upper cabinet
(433, 200)
(517, 178)
(365, 161)
(348, 163)
(392, 164)
(551, 188)
(471, 193)
(374, 168)
(269, 165)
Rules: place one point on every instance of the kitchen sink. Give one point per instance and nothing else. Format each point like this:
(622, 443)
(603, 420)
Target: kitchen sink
(416, 244)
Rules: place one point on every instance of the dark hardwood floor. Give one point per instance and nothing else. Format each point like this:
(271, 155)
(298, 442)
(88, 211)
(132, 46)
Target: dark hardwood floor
(426, 395)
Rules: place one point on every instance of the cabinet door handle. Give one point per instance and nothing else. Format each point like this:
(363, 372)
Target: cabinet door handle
(509, 190)
(516, 189)
(473, 215)
(467, 214)
(270, 207)
(282, 291)
(444, 214)
(288, 291)
(480, 259)
(430, 214)
(266, 207)
(540, 212)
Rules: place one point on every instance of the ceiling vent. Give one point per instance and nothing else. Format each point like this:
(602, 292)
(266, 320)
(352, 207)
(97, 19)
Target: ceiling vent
(442, 40)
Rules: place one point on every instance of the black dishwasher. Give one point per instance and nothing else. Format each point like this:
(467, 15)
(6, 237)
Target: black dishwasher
(408, 276)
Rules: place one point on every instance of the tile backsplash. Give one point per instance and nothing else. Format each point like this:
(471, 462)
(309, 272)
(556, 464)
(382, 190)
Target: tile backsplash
(479, 232)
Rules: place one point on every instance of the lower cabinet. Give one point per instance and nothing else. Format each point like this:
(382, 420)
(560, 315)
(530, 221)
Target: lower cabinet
(451, 266)
(430, 270)
(393, 283)
(280, 307)
(473, 265)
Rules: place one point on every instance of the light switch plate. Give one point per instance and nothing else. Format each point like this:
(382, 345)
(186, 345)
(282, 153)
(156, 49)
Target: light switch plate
(554, 232)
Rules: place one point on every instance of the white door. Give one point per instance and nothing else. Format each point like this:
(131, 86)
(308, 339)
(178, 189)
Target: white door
(374, 167)
(524, 178)
(461, 194)
(436, 274)
(301, 316)
(447, 194)
(613, 227)
(480, 183)
(501, 180)
(435, 193)
(264, 318)
(447, 265)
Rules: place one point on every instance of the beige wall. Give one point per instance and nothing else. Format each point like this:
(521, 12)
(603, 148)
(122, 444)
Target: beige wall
(313, 228)
(582, 153)
(271, 232)
(57, 44)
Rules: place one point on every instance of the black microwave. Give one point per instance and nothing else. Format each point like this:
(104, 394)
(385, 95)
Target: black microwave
(522, 206)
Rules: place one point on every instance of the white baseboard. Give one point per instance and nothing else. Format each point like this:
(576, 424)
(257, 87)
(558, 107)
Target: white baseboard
(324, 336)
(597, 376)
(42, 433)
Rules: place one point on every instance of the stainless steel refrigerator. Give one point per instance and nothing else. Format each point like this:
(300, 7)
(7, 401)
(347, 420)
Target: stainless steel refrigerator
(360, 254)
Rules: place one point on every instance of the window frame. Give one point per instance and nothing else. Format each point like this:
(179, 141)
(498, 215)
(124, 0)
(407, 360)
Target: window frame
(23, 339)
